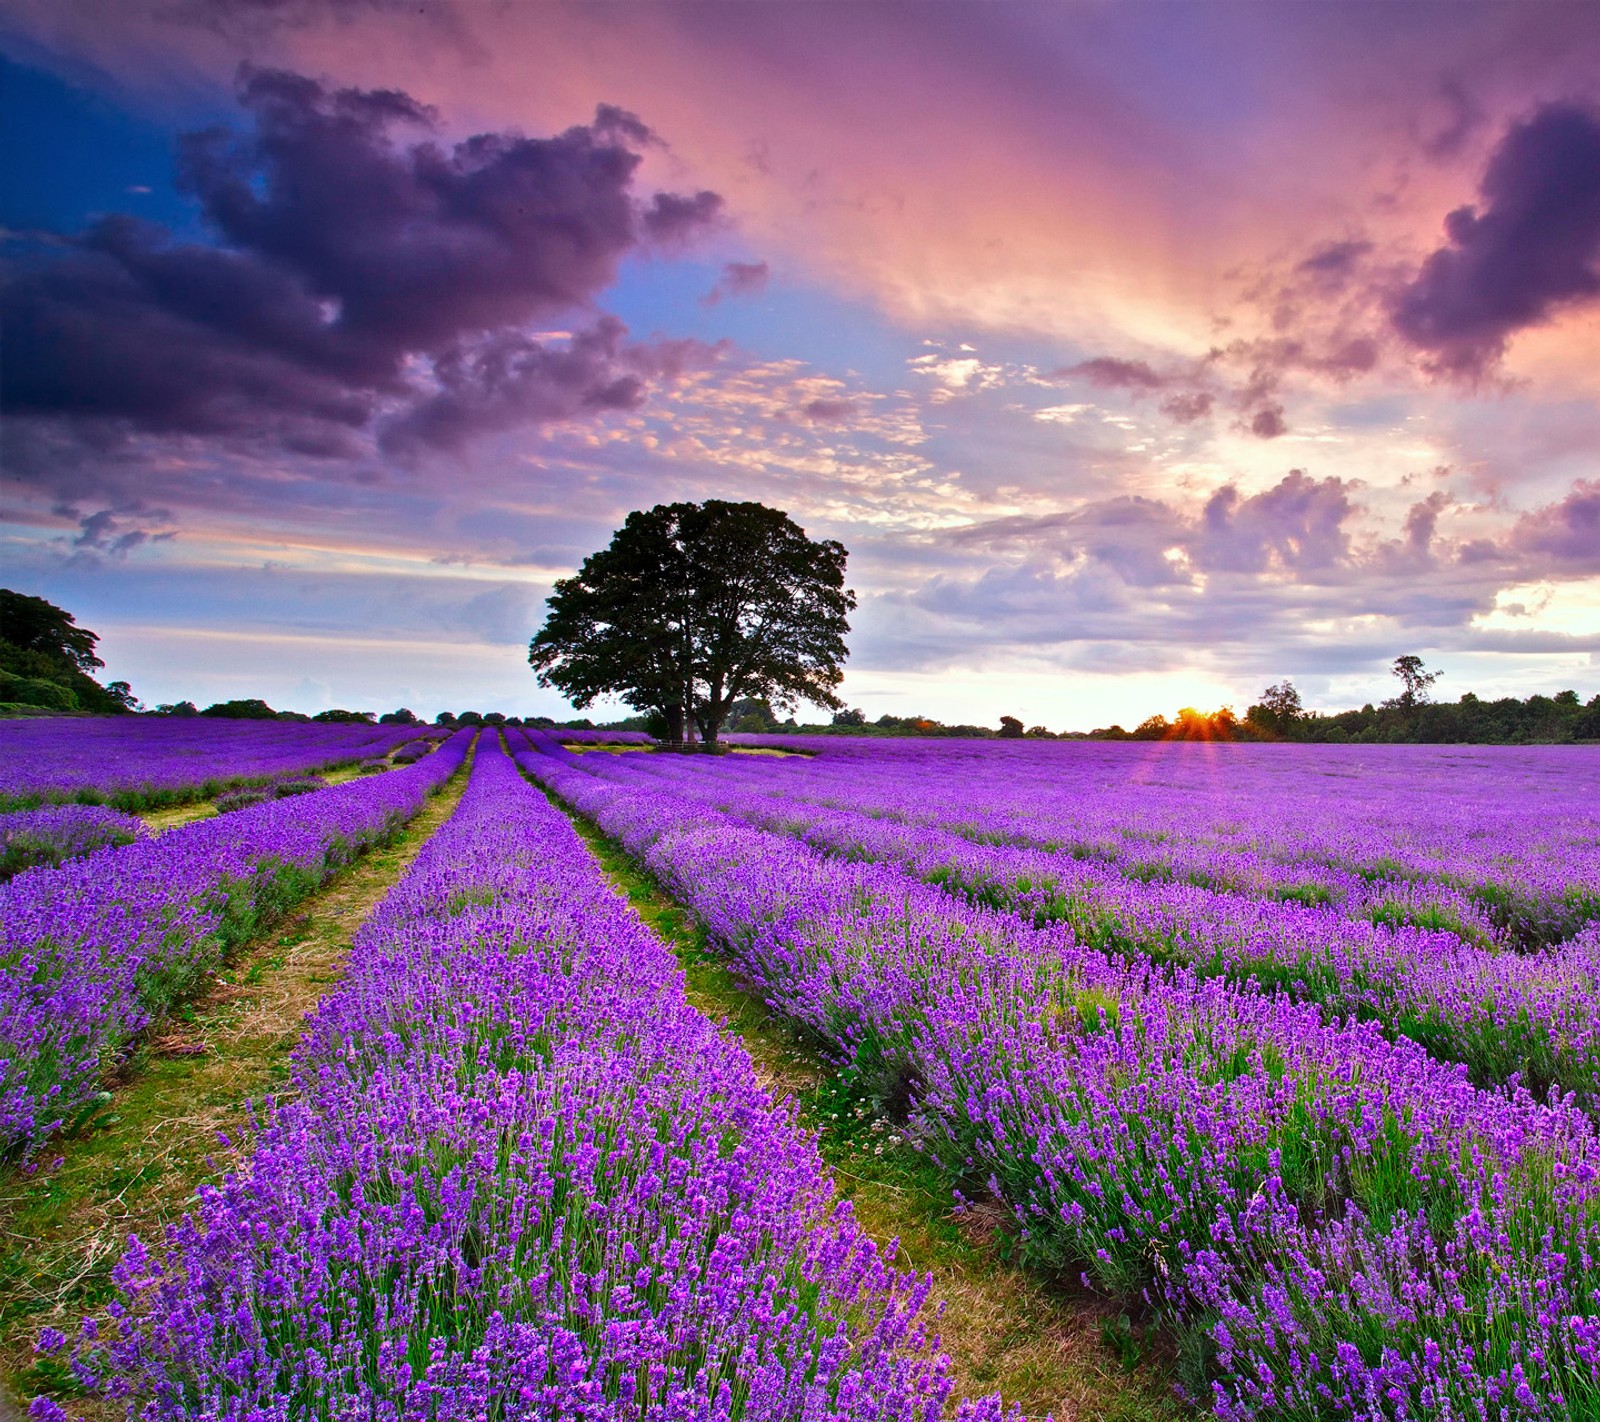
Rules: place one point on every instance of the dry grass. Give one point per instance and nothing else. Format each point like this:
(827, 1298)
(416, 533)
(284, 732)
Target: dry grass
(136, 1165)
(171, 816)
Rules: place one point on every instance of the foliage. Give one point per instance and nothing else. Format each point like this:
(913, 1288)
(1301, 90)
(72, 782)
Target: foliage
(1411, 716)
(1011, 728)
(241, 710)
(46, 658)
(1279, 710)
(752, 715)
(1557, 719)
(693, 607)
(1415, 681)
(34, 625)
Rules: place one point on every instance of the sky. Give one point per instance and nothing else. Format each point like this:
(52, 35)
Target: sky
(1141, 354)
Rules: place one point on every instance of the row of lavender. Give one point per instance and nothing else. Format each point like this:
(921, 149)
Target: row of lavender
(90, 951)
(52, 834)
(1391, 831)
(518, 1178)
(1509, 1016)
(133, 762)
(1348, 1227)
(582, 737)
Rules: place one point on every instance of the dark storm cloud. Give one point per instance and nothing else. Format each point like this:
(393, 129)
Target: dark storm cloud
(415, 243)
(357, 251)
(1530, 249)
(89, 339)
(508, 379)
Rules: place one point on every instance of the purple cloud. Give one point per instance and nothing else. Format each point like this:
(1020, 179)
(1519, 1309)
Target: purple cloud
(1188, 407)
(508, 380)
(1565, 534)
(1269, 423)
(673, 220)
(1531, 249)
(739, 279)
(1334, 262)
(1110, 373)
(1300, 522)
(356, 252)
(824, 411)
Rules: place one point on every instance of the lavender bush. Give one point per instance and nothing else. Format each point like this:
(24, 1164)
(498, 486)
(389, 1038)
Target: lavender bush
(136, 762)
(518, 1178)
(90, 951)
(1291, 821)
(1343, 1226)
(1510, 1016)
(57, 833)
(581, 737)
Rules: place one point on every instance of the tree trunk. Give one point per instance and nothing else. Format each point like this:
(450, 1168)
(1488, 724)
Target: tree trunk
(716, 711)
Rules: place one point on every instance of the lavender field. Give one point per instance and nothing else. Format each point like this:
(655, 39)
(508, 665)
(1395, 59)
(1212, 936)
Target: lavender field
(1288, 1053)
(156, 760)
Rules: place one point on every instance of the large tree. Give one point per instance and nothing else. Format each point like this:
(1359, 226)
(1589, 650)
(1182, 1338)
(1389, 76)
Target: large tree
(694, 606)
(46, 658)
(34, 625)
(1416, 682)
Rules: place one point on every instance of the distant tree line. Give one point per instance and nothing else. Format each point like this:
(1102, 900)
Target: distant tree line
(254, 709)
(1411, 715)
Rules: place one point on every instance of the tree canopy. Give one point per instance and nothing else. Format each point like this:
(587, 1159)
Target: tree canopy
(1416, 682)
(46, 658)
(695, 606)
(1280, 709)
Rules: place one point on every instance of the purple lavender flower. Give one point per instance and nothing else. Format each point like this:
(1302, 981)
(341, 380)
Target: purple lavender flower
(520, 1177)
